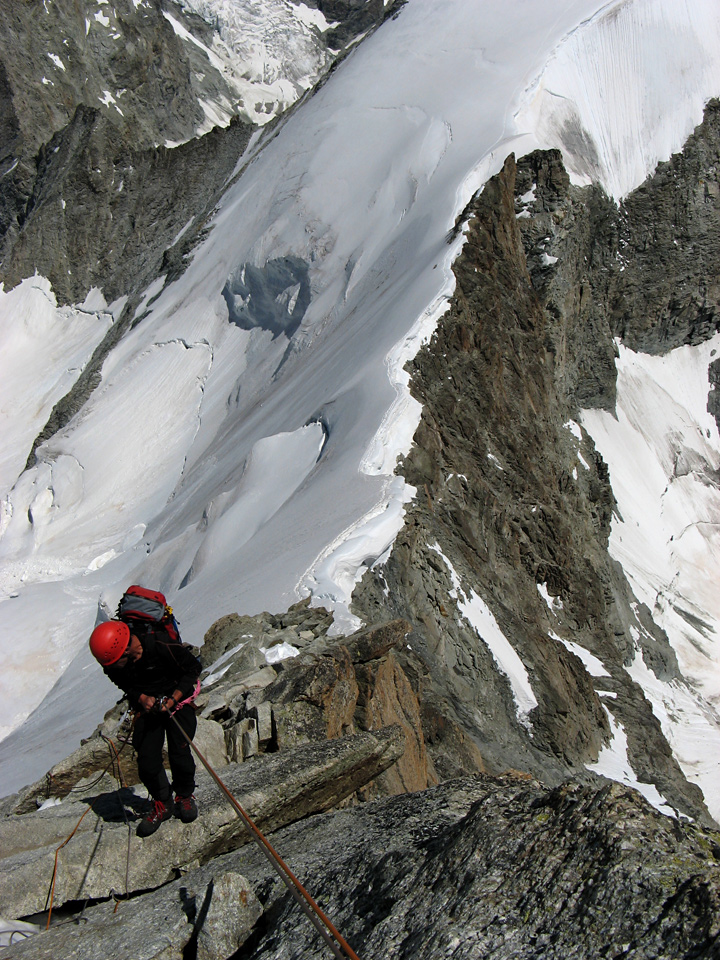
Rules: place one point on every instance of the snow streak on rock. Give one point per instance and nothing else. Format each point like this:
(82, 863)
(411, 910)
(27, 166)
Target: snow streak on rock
(613, 763)
(480, 617)
(663, 451)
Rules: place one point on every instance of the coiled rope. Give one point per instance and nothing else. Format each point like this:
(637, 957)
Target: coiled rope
(339, 946)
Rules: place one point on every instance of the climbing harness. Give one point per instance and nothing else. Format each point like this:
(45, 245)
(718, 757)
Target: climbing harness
(339, 946)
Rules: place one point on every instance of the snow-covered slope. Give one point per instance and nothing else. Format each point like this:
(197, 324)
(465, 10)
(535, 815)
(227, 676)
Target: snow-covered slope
(235, 468)
(268, 52)
(663, 451)
(624, 91)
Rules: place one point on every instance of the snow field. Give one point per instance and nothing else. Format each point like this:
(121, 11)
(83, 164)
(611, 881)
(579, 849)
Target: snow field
(44, 350)
(625, 90)
(663, 452)
(363, 184)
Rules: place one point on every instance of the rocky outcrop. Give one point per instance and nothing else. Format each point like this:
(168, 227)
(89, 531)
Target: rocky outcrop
(213, 920)
(643, 270)
(106, 856)
(496, 868)
(107, 751)
(86, 103)
(273, 683)
(350, 18)
(332, 688)
(484, 866)
(101, 208)
(333, 724)
(513, 510)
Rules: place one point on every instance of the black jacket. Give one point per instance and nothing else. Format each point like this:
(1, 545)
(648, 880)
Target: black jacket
(164, 667)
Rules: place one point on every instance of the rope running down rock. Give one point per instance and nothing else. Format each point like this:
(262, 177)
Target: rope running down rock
(339, 946)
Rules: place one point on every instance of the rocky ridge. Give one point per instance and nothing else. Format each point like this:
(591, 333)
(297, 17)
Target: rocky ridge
(467, 859)
(513, 501)
(483, 863)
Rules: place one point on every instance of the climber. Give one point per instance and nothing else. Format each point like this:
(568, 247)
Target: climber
(160, 677)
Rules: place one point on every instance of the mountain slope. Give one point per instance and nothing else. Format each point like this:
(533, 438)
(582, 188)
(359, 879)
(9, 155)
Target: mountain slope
(260, 352)
(507, 551)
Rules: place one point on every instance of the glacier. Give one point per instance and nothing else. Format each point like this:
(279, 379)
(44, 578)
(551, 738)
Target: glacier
(235, 468)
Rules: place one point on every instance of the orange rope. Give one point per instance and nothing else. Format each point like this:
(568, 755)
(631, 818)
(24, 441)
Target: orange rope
(51, 894)
(55, 868)
(316, 916)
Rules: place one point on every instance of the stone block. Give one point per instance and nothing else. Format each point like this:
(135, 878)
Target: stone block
(233, 743)
(210, 740)
(250, 744)
(263, 716)
(232, 909)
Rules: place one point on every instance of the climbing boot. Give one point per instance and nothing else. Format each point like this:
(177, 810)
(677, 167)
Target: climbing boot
(160, 811)
(186, 808)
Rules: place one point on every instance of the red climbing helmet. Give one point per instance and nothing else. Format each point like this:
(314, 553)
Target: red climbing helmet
(109, 641)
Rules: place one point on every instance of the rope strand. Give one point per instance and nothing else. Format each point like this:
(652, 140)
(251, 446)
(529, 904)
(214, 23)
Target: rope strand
(316, 916)
(114, 757)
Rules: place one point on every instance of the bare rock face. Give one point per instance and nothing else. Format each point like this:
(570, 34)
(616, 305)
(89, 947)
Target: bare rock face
(333, 689)
(389, 698)
(496, 868)
(93, 756)
(157, 928)
(491, 866)
(482, 866)
(508, 515)
(105, 855)
(211, 918)
(87, 101)
(232, 909)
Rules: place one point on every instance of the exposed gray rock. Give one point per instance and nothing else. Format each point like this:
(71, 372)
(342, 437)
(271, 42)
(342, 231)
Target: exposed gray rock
(495, 868)
(233, 743)
(232, 910)
(232, 630)
(490, 867)
(263, 714)
(214, 916)
(158, 927)
(273, 791)
(210, 740)
(92, 757)
(352, 17)
(527, 340)
(249, 735)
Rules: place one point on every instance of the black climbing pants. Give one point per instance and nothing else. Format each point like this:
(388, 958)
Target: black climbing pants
(148, 739)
